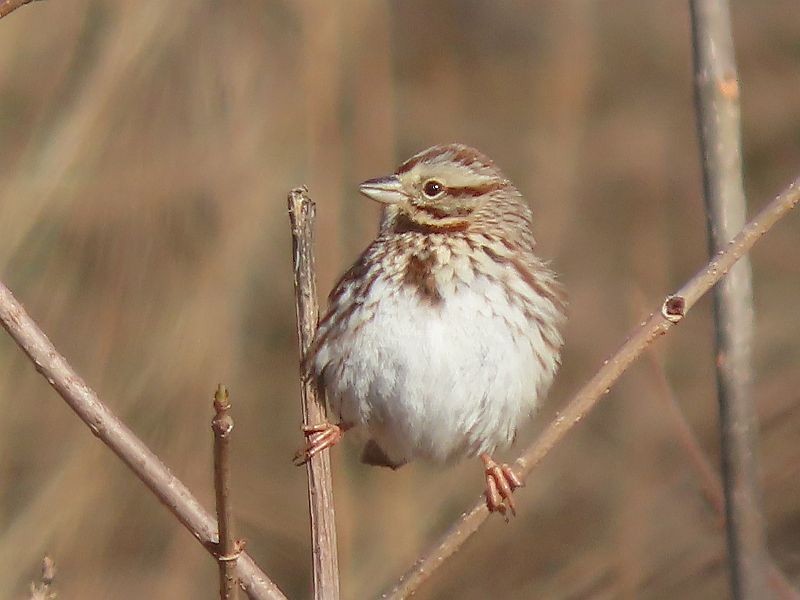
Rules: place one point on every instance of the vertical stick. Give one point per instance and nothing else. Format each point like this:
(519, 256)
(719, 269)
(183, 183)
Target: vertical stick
(717, 100)
(227, 548)
(320, 490)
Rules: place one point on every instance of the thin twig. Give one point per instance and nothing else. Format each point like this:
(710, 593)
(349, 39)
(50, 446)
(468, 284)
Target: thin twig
(228, 549)
(709, 479)
(672, 311)
(122, 441)
(320, 489)
(8, 6)
(717, 102)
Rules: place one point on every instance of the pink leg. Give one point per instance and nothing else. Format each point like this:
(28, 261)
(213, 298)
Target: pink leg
(319, 437)
(501, 482)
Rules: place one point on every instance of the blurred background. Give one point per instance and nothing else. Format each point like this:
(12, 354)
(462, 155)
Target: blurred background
(146, 149)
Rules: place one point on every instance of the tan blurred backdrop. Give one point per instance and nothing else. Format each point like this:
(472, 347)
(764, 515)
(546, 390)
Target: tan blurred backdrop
(146, 148)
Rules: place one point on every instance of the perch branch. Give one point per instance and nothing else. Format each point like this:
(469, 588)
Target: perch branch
(228, 549)
(717, 106)
(122, 441)
(671, 312)
(320, 489)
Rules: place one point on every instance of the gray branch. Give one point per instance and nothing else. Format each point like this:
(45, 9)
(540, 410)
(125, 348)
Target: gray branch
(718, 122)
(115, 434)
(228, 549)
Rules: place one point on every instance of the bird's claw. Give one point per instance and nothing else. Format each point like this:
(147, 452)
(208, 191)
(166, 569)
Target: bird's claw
(501, 482)
(319, 437)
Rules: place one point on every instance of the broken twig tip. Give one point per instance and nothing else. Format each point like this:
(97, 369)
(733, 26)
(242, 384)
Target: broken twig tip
(674, 308)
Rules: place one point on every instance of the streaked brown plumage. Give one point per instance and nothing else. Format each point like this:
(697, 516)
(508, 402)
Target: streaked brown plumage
(443, 335)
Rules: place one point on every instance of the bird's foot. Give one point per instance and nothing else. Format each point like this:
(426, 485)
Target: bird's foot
(319, 437)
(501, 482)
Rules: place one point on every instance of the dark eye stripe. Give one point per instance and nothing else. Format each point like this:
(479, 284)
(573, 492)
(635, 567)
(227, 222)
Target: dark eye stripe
(476, 190)
(438, 213)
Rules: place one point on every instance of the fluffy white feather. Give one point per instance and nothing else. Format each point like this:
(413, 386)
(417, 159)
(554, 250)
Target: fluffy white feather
(437, 381)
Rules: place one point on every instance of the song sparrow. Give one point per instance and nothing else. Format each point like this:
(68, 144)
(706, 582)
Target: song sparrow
(444, 334)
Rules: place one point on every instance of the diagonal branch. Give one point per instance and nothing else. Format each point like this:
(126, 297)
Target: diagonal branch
(130, 449)
(672, 311)
(8, 6)
(717, 102)
(320, 488)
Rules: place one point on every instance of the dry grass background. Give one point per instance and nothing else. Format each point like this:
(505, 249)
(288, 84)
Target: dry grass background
(146, 148)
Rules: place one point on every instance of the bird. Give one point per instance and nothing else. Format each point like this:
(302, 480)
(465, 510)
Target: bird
(445, 334)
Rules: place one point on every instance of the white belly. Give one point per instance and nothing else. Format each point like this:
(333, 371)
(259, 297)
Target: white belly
(437, 381)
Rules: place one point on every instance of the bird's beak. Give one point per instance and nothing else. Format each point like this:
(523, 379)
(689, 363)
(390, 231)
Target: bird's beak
(387, 190)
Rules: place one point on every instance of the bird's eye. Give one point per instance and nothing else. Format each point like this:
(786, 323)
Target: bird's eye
(432, 188)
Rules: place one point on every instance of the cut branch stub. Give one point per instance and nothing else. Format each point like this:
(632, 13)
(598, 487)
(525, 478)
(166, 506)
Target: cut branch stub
(674, 308)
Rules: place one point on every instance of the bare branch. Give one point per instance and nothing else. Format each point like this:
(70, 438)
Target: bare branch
(228, 549)
(114, 434)
(8, 6)
(320, 489)
(671, 312)
(781, 587)
(709, 479)
(717, 102)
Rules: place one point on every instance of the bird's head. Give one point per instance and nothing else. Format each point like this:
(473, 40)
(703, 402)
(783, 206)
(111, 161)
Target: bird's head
(443, 188)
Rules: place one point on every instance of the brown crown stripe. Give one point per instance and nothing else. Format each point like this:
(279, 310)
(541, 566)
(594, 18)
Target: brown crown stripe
(477, 190)
(469, 156)
(462, 155)
(414, 161)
